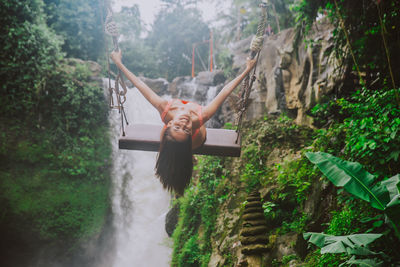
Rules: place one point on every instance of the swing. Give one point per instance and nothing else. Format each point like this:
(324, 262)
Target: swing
(219, 142)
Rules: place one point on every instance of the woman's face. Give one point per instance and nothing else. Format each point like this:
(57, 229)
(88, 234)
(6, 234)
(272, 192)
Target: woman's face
(180, 127)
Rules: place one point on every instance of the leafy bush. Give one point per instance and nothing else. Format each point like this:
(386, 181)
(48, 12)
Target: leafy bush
(55, 175)
(260, 139)
(30, 50)
(373, 129)
(79, 23)
(199, 206)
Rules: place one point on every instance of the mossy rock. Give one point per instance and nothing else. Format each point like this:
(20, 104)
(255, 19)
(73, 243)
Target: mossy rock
(253, 230)
(253, 204)
(254, 249)
(253, 216)
(248, 240)
(253, 210)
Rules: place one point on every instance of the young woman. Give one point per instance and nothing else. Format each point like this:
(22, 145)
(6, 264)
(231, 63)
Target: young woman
(184, 128)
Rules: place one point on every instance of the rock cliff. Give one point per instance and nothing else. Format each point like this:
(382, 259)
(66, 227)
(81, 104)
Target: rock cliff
(292, 74)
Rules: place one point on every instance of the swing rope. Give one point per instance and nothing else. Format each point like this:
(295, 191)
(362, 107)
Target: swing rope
(110, 28)
(255, 48)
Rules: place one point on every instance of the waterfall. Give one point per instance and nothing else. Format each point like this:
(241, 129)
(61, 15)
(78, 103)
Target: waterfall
(139, 202)
(211, 93)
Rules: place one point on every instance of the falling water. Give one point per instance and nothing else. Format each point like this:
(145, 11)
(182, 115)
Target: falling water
(211, 92)
(139, 202)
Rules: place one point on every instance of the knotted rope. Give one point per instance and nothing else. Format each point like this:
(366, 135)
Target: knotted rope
(255, 48)
(110, 28)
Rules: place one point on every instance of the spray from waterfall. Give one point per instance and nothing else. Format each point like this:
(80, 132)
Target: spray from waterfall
(139, 203)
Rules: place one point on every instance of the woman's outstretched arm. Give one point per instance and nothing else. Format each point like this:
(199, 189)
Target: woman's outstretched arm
(154, 99)
(211, 108)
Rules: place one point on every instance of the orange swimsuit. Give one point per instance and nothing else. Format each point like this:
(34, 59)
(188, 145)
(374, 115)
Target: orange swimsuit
(199, 113)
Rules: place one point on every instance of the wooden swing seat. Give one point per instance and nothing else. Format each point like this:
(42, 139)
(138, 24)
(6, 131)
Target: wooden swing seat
(146, 137)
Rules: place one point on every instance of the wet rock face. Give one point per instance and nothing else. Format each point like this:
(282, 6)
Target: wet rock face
(292, 75)
(159, 85)
(201, 89)
(211, 78)
(171, 220)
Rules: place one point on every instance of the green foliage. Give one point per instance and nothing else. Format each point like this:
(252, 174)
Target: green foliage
(55, 175)
(305, 13)
(268, 208)
(350, 244)
(363, 262)
(297, 175)
(248, 13)
(359, 125)
(363, 128)
(354, 179)
(141, 58)
(128, 21)
(260, 140)
(190, 253)
(71, 105)
(348, 217)
(373, 129)
(371, 31)
(29, 51)
(198, 208)
(57, 208)
(225, 61)
(79, 23)
(175, 29)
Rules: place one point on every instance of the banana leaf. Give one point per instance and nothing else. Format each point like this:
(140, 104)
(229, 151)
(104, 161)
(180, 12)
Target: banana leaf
(351, 176)
(351, 244)
(392, 185)
(362, 262)
(354, 179)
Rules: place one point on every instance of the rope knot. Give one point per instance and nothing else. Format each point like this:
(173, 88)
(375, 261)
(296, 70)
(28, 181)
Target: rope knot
(256, 43)
(111, 27)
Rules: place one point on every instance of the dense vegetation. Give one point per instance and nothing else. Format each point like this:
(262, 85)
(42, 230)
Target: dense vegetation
(359, 123)
(55, 151)
(166, 50)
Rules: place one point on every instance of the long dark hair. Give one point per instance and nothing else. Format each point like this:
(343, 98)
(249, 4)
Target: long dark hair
(174, 164)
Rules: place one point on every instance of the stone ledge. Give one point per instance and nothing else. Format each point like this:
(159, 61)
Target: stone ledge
(254, 249)
(253, 198)
(253, 216)
(248, 240)
(254, 223)
(253, 204)
(253, 230)
(253, 210)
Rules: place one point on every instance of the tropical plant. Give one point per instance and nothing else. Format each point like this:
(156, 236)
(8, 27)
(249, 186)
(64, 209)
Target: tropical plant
(384, 196)
(350, 244)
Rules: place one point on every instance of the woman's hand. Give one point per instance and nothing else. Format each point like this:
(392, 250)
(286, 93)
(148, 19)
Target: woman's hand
(250, 63)
(116, 56)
